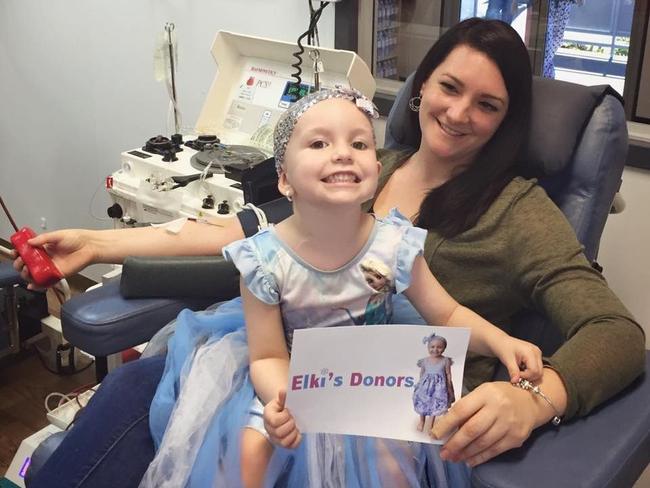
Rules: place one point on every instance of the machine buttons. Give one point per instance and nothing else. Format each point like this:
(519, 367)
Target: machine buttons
(223, 208)
(208, 202)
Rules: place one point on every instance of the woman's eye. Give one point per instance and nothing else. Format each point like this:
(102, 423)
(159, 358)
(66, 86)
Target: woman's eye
(317, 145)
(360, 145)
(488, 107)
(448, 87)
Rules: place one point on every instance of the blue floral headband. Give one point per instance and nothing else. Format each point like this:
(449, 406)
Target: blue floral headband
(287, 122)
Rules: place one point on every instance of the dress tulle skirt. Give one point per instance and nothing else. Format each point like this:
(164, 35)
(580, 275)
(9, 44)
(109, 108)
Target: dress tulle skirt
(202, 404)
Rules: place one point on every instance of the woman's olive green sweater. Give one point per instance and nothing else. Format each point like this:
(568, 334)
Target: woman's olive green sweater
(522, 253)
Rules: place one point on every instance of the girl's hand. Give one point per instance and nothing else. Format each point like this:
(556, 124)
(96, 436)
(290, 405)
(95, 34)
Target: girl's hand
(492, 419)
(522, 359)
(69, 249)
(279, 423)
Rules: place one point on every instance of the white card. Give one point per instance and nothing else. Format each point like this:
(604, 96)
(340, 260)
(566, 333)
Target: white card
(361, 380)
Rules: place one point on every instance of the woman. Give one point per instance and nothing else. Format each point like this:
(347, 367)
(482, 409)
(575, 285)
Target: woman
(496, 242)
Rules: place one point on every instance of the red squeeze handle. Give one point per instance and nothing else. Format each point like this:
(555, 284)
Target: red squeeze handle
(40, 265)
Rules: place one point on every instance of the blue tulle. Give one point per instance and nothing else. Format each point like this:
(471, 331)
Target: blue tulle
(321, 459)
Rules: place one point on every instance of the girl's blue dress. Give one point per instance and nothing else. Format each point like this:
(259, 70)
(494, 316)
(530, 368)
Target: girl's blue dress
(205, 396)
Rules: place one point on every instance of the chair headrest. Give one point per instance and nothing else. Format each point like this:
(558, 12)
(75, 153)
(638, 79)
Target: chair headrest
(560, 112)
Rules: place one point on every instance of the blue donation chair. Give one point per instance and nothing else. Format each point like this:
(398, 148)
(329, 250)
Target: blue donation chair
(577, 148)
(9, 330)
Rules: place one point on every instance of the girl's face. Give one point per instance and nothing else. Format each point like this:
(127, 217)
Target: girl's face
(436, 347)
(464, 101)
(330, 157)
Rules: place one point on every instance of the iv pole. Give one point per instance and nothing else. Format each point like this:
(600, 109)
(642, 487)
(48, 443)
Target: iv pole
(169, 28)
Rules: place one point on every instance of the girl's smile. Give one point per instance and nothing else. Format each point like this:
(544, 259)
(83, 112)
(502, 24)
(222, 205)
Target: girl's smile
(330, 158)
(342, 177)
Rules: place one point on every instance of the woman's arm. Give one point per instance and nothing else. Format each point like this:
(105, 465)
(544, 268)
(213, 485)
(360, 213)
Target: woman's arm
(603, 353)
(605, 347)
(74, 249)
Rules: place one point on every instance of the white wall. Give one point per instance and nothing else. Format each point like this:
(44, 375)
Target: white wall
(77, 88)
(625, 247)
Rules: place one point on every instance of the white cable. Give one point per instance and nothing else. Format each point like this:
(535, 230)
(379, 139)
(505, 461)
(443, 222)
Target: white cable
(92, 201)
(263, 223)
(53, 394)
(65, 288)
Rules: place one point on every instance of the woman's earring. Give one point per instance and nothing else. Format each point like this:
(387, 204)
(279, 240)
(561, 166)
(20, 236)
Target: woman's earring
(289, 195)
(414, 103)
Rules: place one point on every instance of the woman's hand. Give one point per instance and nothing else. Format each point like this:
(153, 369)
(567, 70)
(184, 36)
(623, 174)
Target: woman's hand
(70, 251)
(522, 359)
(279, 423)
(492, 419)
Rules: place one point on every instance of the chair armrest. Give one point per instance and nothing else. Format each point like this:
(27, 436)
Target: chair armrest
(174, 277)
(608, 448)
(9, 276)
(102, 322)
(151, 293)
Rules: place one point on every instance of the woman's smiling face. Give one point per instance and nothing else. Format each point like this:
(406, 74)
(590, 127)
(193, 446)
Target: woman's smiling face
(464, 101)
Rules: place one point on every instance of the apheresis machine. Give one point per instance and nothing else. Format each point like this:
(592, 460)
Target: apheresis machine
(224, 164)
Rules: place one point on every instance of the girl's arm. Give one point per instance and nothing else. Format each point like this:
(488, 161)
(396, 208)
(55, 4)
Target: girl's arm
(269, 367)
(439, 308)
(267, 348)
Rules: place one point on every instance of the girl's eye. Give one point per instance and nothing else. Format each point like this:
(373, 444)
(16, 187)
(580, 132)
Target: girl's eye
(488, 107)
(360, 145)
(317, 145)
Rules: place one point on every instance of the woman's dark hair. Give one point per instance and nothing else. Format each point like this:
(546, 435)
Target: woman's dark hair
(457, 205)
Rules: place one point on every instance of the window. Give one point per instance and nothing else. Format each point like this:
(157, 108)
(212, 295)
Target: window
(582, 41)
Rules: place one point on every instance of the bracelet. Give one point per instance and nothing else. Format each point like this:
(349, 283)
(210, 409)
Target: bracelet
(528, 386)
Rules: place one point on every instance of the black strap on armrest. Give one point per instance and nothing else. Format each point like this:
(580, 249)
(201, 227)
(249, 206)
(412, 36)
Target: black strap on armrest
(275, 211)
(179, 277)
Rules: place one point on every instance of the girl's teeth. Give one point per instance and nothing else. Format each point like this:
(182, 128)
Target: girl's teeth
(341, 178)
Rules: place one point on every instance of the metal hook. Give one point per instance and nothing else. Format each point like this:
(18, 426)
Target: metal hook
(314, 55)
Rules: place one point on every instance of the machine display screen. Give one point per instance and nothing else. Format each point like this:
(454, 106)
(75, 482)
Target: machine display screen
(293, 92)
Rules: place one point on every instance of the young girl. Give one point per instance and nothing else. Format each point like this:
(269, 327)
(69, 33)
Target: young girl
(434, 392)
(309, 271)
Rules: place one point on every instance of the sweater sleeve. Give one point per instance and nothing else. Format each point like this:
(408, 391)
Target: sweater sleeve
(605, 347)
